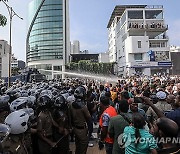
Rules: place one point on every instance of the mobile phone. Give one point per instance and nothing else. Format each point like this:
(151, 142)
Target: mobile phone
(138, 100)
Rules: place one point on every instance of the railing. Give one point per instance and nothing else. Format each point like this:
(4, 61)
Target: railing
(159, 37)
(154, 7)
(136, 25)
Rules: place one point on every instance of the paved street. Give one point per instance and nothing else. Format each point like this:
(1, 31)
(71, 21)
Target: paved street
(94, 149)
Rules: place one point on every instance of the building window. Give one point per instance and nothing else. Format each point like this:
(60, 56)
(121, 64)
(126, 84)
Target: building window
(154, 14)
(0, 46)
(139, 44)
(138, 14)
(57, 68)
(138, 56)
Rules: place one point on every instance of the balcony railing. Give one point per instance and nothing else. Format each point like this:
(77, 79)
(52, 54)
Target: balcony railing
(159, 37)
(154, 7)
(136, 25)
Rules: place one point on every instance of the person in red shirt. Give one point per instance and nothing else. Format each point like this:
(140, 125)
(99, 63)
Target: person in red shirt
(108, 112)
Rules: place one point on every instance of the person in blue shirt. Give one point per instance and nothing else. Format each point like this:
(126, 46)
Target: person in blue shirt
(136, 139)
(133, 108)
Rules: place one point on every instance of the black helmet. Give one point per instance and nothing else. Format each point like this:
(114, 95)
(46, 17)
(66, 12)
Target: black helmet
(60, 102)
(59, 115)
(46, 92)
(55, 92)
(3, 89)
(80, 92)
(44, 101)
(13, 95)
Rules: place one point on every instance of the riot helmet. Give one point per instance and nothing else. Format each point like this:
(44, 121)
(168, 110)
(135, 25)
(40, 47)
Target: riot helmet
(80, 92)
(30, 113)
(46, 92)
(13, 95)
(3, 89)
(31, 101)
(19, 103)
(44, 101)
(60, 102)
(17, 121)
(24, 93)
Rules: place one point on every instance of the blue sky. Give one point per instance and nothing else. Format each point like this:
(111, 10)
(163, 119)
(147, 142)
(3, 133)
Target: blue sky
(88, 22)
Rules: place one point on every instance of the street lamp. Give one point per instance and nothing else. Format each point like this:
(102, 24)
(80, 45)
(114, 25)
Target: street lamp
(12, 13)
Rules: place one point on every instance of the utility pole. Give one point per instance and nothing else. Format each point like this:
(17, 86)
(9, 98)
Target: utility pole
(12, 13)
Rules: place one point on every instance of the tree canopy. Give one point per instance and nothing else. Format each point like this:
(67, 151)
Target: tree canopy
(3, 19)
(92, 67)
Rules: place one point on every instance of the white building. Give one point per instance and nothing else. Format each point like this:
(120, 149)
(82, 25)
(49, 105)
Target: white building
(76, 47)
(103, 57)
(138, 40)
(14, 62)
(175, 48)
(4, 58)
(175, 55)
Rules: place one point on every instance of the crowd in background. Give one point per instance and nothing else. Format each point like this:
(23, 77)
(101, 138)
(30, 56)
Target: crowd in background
(137, 115)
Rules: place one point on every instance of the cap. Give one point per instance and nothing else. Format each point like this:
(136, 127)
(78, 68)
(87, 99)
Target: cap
(161, 95)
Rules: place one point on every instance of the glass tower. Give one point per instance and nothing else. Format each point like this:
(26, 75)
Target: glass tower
(48, 35)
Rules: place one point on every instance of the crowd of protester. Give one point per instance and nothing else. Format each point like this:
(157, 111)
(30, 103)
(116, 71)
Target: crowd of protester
(135, 115)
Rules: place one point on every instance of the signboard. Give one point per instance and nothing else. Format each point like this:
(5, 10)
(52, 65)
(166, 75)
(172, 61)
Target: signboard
(151, 54)
(144, 64)
(169, 63)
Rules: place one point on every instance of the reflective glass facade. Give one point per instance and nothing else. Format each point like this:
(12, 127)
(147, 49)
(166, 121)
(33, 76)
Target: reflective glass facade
(45, 35)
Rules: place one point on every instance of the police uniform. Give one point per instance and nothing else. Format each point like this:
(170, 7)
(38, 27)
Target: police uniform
(15, 144)
(60, 137)
(28, 141)
(44, 126)
(3, 115)
(79, 118)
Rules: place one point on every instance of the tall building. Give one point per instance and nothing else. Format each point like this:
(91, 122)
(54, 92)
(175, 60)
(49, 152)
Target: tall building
(75, 47)
(4, 58)
(138, 40)
(14, 61)
(104, 57)
(48, 45)
(21, 64)
(175, 54)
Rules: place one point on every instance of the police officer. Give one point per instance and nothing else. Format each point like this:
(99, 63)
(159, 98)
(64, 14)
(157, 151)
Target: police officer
(45, 123)
(79, 118)
(18, 123)
(4, 107)
(61, 135)
(5, 131)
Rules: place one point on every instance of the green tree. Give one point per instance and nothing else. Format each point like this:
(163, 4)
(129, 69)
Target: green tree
(3, 19)
(92, 67)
